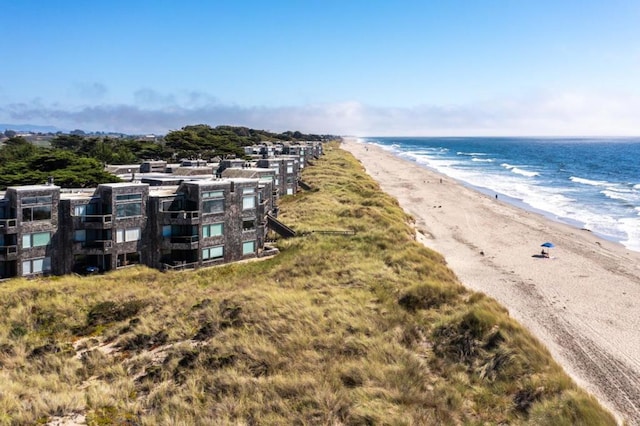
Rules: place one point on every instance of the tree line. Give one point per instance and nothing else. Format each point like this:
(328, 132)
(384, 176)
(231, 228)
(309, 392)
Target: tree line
(77, 160)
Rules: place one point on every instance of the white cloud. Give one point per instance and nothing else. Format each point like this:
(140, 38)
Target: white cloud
(541, 113)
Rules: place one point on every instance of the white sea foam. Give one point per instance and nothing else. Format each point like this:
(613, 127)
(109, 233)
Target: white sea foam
(631, 226)
(589, 181)
(628, 195)
(483, 160)
(518, 170)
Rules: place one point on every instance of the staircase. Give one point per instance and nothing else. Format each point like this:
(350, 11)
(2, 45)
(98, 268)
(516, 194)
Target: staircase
(280, 227)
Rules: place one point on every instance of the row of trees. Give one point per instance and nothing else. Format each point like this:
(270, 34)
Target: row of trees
(22, 163)
(77, 160)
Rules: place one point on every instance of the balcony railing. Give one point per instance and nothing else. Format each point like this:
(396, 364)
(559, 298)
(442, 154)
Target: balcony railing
(95, 218)
(8, 250)
(184, 239)
(98, 244)
(181, 214)
(8, 223)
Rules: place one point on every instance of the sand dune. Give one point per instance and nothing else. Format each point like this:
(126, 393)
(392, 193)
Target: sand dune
(583, 302)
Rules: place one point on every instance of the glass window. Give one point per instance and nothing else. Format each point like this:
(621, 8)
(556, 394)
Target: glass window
(248, 190)
(248, 247)
(80, 210)
(37, 239)
(213, 206)
(213, 194)
(26, 267)
(166, 231)
(132, 234)
(30, 214)
(212, 230)
(289, 169)
(128, 209)
(213, 252)
(126, 235)
(80, 235)
(128, 197)
(289, 191)
(36, 266)
(248, 224)
(248, 202)
(41, 199)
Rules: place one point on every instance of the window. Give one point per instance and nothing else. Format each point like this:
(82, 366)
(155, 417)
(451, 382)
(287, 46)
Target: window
(248, 202)
(128, 205)
(213, 206)
(248, 224)
(289, 191)
(30, 214)
(289, 169)
(212, 230)
(41, 199)
(126, 235)
(129, 209)
(37, 239)
(248, 247)
(166, 231)
(128, 197)
(213, 194)
(80, 235)
(246, 191)
(213, 253)
(36, 266)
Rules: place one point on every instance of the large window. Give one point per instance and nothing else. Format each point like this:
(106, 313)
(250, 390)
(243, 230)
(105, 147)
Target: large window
(248, 198)
(211, 253)
(212, 230)
(248, 247)
(213, 206)
(126, 235)
(30, 214)
(248, 224)
(36, 266)
(128, 205)
(37, 239)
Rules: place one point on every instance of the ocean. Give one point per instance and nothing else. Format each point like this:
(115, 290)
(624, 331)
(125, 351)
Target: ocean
(590, 183)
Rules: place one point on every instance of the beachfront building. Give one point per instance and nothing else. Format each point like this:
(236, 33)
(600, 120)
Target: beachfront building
(48, 230)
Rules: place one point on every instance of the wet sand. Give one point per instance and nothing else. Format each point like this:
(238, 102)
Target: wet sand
(583, 302)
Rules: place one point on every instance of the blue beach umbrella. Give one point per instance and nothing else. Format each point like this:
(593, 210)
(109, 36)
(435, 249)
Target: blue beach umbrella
(547, 245)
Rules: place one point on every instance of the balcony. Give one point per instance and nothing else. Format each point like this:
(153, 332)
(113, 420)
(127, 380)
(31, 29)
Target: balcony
(8, 226)
(181, 217)
(93, 246)
(93, 221)
(8, 252)
(181, 242)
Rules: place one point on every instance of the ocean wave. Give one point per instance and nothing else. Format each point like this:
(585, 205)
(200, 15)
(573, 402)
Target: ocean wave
(517, 170)
(589, 181)
(471, 154)
(483, 160)
(622, 194)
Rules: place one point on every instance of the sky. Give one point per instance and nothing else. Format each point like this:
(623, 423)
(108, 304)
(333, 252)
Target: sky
(342, 67)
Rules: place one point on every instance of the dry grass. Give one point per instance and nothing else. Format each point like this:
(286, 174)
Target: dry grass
(364, 329)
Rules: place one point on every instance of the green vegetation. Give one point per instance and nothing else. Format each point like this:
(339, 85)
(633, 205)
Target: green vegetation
(365, 329)
(22, 163)
(77, 161)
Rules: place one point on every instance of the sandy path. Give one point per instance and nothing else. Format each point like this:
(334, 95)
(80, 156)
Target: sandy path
(583, 303)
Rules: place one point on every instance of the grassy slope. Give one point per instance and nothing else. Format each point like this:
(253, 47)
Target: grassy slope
(364, 329)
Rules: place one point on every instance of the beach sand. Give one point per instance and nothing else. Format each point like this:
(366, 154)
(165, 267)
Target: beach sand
(583, 302)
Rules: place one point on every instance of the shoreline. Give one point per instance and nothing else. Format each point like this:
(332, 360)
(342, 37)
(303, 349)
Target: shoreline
(516, 202)
(583, 303)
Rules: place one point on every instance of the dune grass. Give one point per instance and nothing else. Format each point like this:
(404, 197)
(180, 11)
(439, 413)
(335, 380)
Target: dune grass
(371, 328)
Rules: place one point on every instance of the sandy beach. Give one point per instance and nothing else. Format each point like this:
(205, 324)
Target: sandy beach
(583, 302)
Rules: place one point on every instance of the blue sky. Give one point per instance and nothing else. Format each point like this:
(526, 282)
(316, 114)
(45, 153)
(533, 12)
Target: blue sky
(357, 67)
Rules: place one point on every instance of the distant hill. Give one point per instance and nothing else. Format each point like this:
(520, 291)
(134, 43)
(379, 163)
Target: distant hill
(30, 128)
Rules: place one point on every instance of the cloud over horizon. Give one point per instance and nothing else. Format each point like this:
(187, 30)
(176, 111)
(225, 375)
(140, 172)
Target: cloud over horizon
(535, 114)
